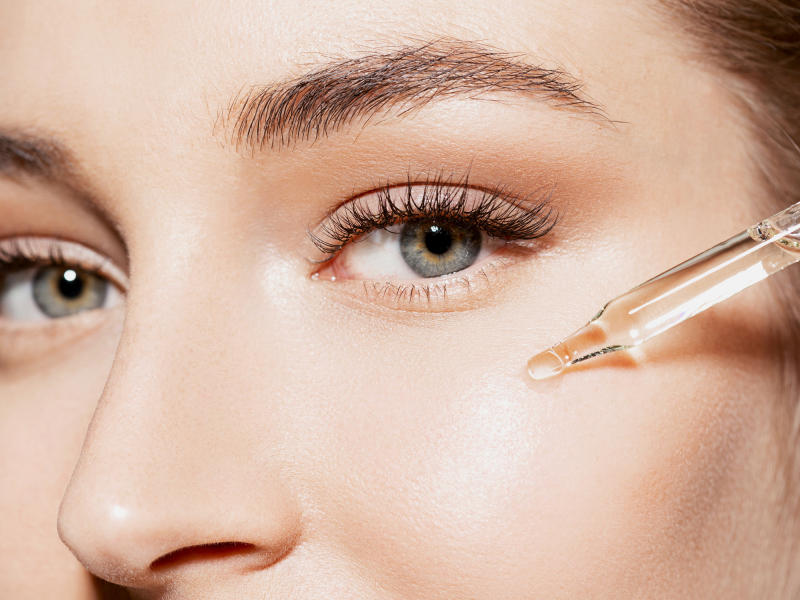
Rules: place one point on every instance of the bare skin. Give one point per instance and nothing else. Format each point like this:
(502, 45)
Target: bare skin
(235, 427)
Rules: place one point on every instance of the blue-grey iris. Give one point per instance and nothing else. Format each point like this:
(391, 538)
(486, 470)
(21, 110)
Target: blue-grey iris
(434, 249)
(65, 291)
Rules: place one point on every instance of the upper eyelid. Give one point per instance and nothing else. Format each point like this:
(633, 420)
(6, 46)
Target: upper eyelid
(522, 216)
(45, 249)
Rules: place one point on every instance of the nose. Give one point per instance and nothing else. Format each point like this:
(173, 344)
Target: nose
(180, 471)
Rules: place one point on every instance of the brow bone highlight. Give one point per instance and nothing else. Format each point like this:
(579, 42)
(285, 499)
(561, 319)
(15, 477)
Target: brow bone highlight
(333, 96)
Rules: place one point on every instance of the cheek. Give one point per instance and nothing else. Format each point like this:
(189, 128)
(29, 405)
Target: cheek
(44, 412)
(452, 474)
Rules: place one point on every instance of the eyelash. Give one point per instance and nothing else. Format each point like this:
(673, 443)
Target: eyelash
(497, 212)
(21, 254)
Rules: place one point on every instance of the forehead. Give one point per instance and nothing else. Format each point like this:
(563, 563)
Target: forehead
(128, 88)
(184, 58)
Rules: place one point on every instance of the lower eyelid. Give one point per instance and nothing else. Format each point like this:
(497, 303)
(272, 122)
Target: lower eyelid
(22, 342)
(476, 287)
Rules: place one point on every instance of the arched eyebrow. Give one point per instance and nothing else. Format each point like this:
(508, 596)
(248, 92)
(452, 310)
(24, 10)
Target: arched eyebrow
(339, 93)
(23, 155)
(406, 79)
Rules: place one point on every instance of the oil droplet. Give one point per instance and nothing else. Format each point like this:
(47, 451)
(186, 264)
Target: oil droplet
(542, 387)
(545, 365)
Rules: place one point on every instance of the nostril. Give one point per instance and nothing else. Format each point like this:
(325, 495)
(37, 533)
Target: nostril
(202, 553)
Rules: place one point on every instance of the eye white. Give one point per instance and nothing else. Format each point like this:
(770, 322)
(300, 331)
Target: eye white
(376, 256)
(16, 298)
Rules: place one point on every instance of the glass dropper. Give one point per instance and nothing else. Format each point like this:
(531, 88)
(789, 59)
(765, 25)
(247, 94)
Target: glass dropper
(680, 293)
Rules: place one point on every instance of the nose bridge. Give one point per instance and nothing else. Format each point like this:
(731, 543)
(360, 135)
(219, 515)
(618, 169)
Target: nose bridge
(174, 458)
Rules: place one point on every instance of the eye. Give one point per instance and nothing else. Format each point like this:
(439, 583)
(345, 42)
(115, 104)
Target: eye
(43, 279)
(413, 250)
(53, 292)
(426, 230)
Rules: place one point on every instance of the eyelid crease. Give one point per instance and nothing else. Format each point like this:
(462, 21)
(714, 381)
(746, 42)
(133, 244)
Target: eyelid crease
(499, 212)
(26, 252)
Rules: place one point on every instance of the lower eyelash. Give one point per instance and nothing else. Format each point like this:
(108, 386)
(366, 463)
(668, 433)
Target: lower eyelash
(429, 295)
(414, 292)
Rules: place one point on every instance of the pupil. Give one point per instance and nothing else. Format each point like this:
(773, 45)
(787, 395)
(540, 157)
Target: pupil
(438, 240)
(70, 285)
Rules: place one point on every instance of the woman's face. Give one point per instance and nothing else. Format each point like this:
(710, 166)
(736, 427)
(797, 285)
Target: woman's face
(200, 408)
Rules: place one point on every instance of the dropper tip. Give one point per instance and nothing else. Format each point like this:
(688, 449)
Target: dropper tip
(545, 364)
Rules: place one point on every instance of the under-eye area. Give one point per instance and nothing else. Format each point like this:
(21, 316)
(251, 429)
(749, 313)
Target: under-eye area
(480, 286)
(431, 240)
(468, 288)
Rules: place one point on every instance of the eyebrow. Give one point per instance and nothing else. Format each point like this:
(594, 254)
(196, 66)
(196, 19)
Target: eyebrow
(23, 155)
(341, 92)
(37, 156)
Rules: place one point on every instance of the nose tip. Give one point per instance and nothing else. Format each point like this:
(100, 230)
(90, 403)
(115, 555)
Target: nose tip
(143, 548)
(101, 534)
(184, 471)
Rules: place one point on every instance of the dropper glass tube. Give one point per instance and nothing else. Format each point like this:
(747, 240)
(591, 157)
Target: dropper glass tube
(680, 293)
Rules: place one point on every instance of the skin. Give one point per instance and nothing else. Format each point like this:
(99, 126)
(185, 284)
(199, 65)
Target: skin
(349, 446)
